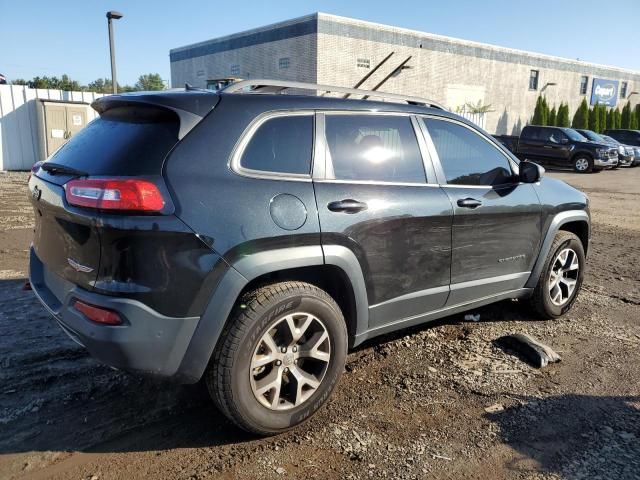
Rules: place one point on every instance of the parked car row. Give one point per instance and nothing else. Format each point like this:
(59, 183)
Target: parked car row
(583, 150)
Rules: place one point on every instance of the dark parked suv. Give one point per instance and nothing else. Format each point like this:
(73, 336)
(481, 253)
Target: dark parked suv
(250, 237)
(565, 147)
(627, 137)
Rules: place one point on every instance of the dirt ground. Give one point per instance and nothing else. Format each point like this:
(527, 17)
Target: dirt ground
(410, 405)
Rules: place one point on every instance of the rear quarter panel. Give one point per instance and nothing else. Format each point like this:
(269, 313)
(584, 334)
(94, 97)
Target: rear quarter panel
(232, 213)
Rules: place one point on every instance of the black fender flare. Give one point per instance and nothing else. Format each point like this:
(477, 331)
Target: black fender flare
(250, 267)
(560, 219)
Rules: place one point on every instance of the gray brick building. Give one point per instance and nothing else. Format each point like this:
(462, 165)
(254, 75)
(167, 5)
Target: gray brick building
(328, 49)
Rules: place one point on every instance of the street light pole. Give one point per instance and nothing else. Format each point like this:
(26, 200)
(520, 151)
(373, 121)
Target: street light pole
(113, 15)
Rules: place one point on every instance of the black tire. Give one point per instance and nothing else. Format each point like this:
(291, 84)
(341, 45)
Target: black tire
(577, 161)
(228, 375)
(541, 299)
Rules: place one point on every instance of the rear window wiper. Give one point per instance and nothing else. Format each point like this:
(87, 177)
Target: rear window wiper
(54, 168)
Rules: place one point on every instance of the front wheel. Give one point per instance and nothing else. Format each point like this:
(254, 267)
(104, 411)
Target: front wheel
(280, 357)
(561, 277)
(583, 164)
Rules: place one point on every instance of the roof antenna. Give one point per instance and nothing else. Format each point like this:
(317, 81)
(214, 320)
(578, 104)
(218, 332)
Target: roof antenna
(188, 87)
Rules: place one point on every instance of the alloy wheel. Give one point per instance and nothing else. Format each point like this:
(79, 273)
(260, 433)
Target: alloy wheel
(290, 361)
(563, 276)
(582, 164)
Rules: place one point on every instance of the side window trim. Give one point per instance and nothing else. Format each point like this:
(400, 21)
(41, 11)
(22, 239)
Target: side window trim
(235, 164)
(442, 179)
(325, 172)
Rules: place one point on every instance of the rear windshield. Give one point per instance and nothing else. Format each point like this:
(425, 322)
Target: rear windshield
(122, 141)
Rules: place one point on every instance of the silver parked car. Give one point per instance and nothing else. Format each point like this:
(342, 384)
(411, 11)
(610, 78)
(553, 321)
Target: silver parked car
(625, 152)
(628, 155)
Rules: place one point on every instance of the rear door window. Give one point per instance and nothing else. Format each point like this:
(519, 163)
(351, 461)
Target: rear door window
(530, 133)
(466, 157)
(380, 148)
(281, 145)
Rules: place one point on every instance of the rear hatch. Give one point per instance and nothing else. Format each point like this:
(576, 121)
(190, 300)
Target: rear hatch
(129, 141)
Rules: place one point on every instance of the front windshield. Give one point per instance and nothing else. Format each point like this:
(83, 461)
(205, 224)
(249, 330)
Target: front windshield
(593, 136)
(573, 135)
(610, 139)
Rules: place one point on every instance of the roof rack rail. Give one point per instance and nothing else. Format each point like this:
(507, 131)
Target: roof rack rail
(276, 86)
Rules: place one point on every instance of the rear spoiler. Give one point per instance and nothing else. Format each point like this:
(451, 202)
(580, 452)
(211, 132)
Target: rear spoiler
(190, 107)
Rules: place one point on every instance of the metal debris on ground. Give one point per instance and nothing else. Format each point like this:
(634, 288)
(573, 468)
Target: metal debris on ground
(533, 351)
(494, 408)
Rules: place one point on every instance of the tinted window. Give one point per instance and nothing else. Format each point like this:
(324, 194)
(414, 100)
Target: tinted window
(573, 135)
(374, 147)
(589, 135)
(531, 133)
(584, 82)
(122, 141)
(622, 136)
(467, 159)
(281, 145)
(533, 80)
(551, 135)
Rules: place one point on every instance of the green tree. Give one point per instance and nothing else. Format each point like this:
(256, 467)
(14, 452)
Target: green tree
(634, 123)
(69, 85)
(563, 115)
(540, 114)
(44, 82)
(637, 110)
(149, 81)
(610, 118)
(603, 118)
(20, 81)
(100, 85)
(626, 116)
(594, 118)
(553, 117)
(617, 118)
(581, 117)
(545, 110)
(62, 83)
(103, 85)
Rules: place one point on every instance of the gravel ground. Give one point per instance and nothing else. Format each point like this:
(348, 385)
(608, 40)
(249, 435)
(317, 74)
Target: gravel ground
(439, 401)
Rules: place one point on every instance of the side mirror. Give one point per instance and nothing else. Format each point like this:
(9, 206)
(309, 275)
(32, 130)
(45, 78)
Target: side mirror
(530, 172)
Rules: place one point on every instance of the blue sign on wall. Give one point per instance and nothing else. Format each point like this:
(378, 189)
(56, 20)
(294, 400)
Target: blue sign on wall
(604, 92)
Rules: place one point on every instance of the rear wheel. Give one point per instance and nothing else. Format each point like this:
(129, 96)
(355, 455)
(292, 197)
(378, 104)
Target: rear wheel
(279, 358)
(583, 164)
(561, 277)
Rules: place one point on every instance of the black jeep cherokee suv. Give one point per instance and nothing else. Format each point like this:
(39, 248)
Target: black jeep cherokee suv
(251, 238)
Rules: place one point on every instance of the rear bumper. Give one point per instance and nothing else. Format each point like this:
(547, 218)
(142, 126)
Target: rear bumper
(147, 342)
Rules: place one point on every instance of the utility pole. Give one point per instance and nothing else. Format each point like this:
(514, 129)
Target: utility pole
(113, 15)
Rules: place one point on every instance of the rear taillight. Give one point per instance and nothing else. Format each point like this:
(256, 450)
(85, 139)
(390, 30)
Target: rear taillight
(115, 194)
(98, 314)
(34, 168)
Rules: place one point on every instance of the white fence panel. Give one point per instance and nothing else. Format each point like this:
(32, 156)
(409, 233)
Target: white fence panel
(478, 118)
(19, 129)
